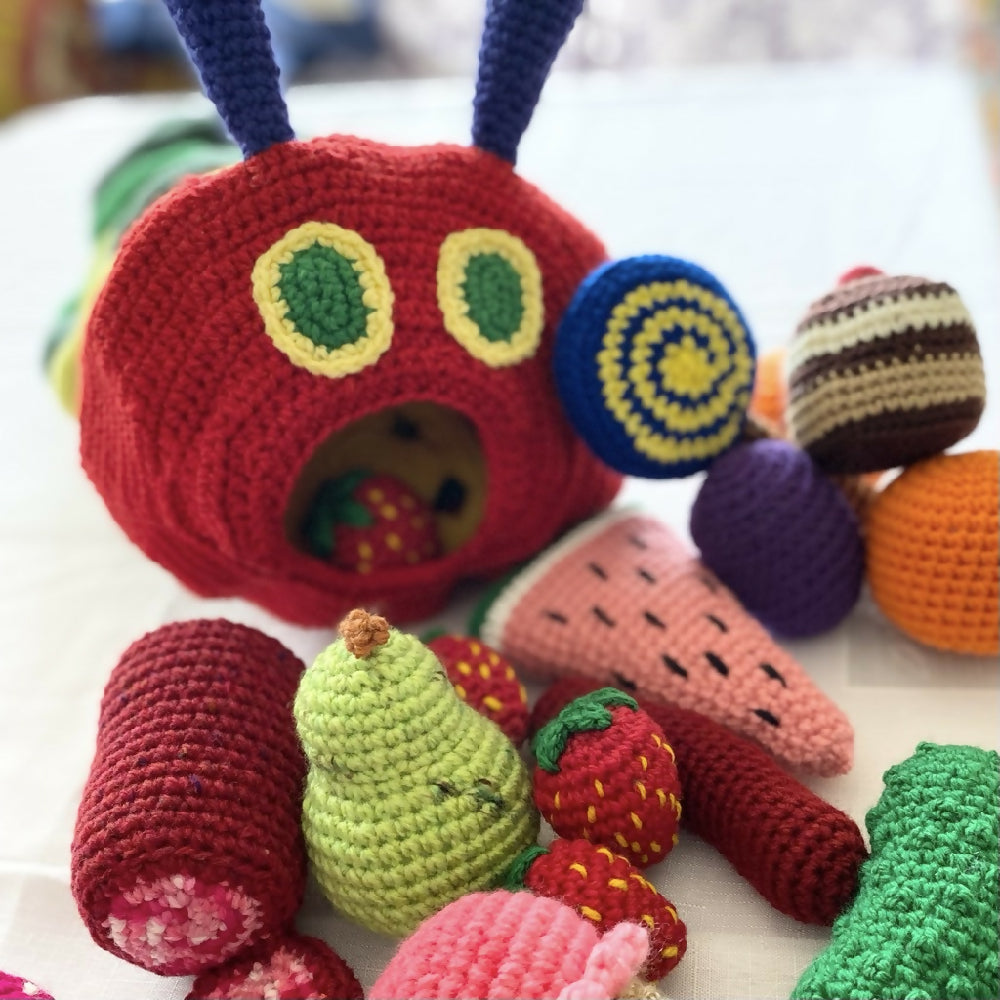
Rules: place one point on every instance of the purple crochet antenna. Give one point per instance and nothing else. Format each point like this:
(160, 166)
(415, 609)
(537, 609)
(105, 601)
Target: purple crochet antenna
(521, 39)
(230, 45)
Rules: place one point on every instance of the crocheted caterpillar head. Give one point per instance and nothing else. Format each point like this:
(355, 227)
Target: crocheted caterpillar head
(934, 555)
(513, 946)
(339, 305)
(884, 371)
(413, 798)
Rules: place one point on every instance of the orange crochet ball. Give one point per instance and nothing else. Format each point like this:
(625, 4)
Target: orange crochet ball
(933, 552)
(770, 389)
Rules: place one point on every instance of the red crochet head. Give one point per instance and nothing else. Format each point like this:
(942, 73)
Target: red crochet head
(207, 439)
(340, 333)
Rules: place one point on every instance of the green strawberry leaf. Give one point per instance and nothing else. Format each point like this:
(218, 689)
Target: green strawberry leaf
(588, 713)
(352, 513)
(334, 504)
(516, 872)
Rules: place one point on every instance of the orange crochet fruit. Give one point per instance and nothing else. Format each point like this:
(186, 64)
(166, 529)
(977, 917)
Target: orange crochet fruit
(770, 389)
(933, 552)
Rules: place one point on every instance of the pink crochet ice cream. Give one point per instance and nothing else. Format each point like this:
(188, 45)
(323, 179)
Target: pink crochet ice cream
(503, 945)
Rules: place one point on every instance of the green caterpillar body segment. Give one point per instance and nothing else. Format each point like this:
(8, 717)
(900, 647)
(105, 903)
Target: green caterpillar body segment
(412, 799)
(924, 923)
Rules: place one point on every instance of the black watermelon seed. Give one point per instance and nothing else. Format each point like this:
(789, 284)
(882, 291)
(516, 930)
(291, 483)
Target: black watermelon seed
(773, 674)
(623, 681)
(646, 575)
(556, 617)
(718, 623)
(603, 616)
(597, 570)
(718, 663)
(771, 720)
(672, 665)
(637, 542)
(653, 620)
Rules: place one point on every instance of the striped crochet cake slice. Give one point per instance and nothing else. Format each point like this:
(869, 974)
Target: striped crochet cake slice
(621, 600)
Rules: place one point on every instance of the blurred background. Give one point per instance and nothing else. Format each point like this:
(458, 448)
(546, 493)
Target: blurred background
(53, 49)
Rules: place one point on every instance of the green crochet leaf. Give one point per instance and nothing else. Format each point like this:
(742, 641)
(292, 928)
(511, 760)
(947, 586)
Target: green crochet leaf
(335, 504)
(513, 878)
(588, 713)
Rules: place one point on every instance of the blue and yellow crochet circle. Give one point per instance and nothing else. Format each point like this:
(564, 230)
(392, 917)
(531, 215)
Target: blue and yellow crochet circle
(490, 295)
(655, 366)
(325, 299)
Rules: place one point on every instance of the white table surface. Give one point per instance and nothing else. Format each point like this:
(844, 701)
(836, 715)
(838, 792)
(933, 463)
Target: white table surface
(777, 180)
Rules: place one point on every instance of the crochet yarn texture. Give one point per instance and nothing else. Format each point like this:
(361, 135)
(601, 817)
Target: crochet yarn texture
(934, 552)
(606, 889)
(16, 988)
(512, 946)
(187, 849)
(924, 923)
(622, 601)
(486, 681)
(198, 419)
(884, 371)
(293, 968)
(655, 364)
(781, 536)
(798, 851)
(606, 773)
(412, 798)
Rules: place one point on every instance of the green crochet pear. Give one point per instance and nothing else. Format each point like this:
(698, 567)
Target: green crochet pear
(412, 799)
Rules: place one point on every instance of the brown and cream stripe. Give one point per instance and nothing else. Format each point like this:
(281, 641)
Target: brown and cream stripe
(884, 371)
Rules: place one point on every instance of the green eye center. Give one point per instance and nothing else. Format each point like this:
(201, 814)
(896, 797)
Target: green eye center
(323, 297)
(490, 295)
(492, 291)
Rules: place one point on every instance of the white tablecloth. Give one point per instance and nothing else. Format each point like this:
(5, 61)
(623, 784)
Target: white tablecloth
(777, 180)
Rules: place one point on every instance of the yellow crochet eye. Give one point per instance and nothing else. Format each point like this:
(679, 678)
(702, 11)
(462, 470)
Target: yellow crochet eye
(325, 299)
(490, 295)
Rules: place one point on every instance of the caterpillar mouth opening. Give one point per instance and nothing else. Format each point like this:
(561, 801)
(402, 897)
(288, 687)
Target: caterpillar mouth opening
(399, 487)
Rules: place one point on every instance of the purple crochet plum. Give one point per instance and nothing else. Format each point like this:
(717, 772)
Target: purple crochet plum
(781, 536)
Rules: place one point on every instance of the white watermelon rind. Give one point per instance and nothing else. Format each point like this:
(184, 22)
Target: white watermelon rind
(494, 622)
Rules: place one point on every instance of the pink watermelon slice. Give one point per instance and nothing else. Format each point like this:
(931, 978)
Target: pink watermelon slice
(621, 600)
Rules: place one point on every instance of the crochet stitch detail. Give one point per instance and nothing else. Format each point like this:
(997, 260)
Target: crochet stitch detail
(923, 925)
(363, 632)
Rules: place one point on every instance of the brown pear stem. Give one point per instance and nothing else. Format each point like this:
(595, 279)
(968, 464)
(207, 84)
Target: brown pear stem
(363, 632)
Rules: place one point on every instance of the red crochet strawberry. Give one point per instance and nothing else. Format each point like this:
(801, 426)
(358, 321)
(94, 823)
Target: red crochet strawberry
(605, 772)
(605, 888)
(362, 522)
(485, 680)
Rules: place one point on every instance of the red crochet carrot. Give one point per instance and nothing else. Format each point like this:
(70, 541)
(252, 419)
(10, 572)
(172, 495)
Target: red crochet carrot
(798, 851)
(606, 773)
(188, 848)
(606, 888)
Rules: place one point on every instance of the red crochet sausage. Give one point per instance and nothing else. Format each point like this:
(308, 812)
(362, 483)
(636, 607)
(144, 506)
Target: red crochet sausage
(798, 851)
(188, 848)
